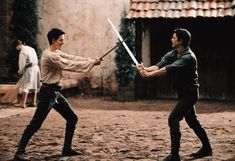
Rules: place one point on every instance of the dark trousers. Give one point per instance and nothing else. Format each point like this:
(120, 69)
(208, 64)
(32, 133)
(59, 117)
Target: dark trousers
(185, 108)
(49, 96)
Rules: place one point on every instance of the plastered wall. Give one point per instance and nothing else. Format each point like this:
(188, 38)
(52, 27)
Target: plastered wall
(88, 32)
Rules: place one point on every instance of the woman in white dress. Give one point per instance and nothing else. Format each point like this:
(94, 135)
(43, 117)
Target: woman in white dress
(29, 72)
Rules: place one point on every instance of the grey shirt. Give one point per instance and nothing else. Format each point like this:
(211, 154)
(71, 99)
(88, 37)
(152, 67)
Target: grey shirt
(182, 68)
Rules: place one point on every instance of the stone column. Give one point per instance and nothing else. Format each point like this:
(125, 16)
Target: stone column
(146, 46)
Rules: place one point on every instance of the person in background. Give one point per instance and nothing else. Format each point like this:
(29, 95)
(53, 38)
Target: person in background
(53, 62)
(29, 72)
(181, 64)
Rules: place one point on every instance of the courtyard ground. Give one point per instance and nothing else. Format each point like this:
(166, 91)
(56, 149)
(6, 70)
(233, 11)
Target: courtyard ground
(119, 131)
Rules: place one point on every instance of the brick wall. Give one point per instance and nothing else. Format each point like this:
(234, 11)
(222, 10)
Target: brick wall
(5, 16)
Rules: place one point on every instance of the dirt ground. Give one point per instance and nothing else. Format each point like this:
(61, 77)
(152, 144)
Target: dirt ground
(119, 131)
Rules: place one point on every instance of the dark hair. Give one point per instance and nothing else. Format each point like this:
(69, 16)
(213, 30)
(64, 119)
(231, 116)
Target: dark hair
(54, 34)
(17, 42)
(184, 35)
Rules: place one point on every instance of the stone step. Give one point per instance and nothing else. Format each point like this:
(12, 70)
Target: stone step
(6, 87)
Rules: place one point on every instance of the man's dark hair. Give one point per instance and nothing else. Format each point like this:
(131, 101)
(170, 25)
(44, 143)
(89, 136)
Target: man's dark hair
(17, 42)
(184, 35)
(54, 34)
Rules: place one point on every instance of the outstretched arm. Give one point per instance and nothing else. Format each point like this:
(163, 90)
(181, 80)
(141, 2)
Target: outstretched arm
(141, 68)
(151, 68)
(74, 65)
(153, 73)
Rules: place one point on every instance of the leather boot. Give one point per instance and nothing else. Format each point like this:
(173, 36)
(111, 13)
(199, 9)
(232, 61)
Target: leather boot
(175, 145)
(19, 155)
(70, 152)
(206, 149)
(67, 150)
(171, 157)
(203, 152)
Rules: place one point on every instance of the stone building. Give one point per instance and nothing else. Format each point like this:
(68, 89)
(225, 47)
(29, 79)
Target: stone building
(87, 30)
(212, 25)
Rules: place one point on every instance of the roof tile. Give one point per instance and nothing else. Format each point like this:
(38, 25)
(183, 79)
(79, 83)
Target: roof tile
(228, 12)
(200, 13)
(191, 13)
(180, 8)
(162, 13)
(192, 5)
(213, 5)
(213, 13)
(159, 6)
(140, 6)
(206, 5)
(207, 13)
(220, 5)
(172, 6)
(183, 13)
(165, 6)
(153, 6)
(220, 12)
(185, 4)
(199, 5)
(133, 6)
(147, 6)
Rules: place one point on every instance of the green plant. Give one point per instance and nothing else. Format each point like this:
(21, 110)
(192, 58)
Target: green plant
(124, 70)
(23, 26)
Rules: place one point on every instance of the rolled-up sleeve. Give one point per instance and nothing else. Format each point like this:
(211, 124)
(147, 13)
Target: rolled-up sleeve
(22, 62)
(166, 59)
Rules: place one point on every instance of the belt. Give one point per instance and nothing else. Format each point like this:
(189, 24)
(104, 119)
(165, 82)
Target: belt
(53, 86)
(30, 65)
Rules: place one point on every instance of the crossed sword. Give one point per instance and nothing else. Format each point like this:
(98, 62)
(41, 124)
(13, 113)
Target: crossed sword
(123, 43)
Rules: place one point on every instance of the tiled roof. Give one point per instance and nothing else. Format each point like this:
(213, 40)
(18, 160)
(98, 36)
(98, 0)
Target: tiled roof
(180, 8)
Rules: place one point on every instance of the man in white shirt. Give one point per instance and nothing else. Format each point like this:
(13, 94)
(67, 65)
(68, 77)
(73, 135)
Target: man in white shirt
(29, 71)
(53, 61)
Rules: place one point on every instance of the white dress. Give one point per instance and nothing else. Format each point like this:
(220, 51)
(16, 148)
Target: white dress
(31, 76)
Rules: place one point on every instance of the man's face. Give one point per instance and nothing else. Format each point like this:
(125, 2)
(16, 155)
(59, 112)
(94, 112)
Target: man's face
(175, 42)
(18, 47)
(59, 42)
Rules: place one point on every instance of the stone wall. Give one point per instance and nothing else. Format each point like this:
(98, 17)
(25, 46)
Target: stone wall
(87, 30)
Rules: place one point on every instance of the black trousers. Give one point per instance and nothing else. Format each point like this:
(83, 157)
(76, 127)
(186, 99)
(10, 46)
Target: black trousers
(185, 108)
(50, 97)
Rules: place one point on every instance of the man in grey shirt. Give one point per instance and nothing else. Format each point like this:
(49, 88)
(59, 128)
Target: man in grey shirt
(53, 61)
(181, 64)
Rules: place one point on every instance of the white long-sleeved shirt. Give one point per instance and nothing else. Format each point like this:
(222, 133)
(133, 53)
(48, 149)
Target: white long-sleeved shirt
(53, 63)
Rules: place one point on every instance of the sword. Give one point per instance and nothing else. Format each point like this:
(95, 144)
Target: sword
(110, 50)
(123, 43)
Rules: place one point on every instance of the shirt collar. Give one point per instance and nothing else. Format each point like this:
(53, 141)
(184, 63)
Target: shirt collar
(184, 52)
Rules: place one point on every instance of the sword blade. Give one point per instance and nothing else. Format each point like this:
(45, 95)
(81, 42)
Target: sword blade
(123, 43)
